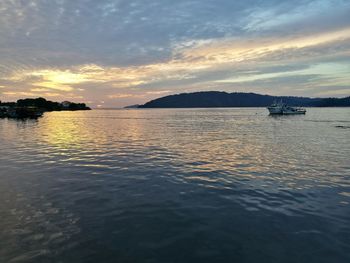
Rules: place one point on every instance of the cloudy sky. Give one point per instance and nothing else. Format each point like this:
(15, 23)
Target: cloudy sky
(112, 53)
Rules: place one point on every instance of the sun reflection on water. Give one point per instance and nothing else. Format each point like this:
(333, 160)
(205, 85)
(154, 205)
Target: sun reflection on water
(78, 176)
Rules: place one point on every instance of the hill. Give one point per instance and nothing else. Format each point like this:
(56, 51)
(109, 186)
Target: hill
(238, 99)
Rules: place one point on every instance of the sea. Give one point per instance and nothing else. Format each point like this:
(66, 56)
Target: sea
(176, 185)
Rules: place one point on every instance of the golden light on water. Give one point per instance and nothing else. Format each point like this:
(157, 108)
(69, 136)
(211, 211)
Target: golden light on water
(63, 133)
(59, 131)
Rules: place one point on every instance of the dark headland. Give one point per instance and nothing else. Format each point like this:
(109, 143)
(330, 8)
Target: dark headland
(211, 99)
(46, 105)
(35, 108)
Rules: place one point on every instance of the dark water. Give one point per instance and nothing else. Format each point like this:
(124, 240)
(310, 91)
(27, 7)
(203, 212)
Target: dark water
(204, 185)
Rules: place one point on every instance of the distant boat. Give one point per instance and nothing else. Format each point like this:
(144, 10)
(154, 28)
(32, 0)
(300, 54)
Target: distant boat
(280, 108)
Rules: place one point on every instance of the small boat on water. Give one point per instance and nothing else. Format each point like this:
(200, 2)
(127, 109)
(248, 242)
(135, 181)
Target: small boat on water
(280, 108)
(20, 112)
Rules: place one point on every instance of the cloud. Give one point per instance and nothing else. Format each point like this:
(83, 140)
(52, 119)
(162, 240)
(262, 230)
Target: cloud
(105, 50)
(123, 95)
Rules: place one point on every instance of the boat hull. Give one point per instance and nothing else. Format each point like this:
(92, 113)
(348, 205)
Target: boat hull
(285, 112)
(294, 113)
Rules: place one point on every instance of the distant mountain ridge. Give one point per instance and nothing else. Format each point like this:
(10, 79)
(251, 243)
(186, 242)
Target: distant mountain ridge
(212, 99)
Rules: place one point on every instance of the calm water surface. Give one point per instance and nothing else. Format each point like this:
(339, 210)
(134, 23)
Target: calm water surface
(177, 185)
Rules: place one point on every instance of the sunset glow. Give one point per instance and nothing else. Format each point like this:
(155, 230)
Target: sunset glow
(252, 56)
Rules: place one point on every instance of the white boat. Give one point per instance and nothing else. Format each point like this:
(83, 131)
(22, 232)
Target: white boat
(281, 108)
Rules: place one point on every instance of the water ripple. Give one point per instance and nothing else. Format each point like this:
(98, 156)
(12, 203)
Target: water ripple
(186, 185)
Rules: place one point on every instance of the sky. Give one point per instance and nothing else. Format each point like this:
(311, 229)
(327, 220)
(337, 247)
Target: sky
(113, 53)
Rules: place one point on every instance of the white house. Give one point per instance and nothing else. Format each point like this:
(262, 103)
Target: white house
(66, 104)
